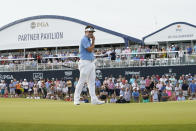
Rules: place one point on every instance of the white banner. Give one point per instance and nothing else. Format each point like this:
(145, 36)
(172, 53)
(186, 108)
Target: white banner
(49, 33)
(176, 32)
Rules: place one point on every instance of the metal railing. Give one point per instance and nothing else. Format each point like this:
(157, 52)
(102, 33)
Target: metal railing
(129, 60)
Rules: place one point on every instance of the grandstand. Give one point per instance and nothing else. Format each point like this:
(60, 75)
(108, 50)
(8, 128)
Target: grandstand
(50, 43)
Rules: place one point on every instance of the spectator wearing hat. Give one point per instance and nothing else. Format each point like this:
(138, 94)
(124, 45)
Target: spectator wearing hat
(121, 99)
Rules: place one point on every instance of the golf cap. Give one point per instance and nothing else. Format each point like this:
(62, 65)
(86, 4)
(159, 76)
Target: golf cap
(90, 29)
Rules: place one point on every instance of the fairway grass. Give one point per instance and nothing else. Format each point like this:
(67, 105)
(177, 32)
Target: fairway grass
(34, 115)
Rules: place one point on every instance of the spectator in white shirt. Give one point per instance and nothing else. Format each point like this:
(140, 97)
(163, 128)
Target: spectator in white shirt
(113, 99)
(127, 95)
(177, 89)
(25, 86)
(154, 94)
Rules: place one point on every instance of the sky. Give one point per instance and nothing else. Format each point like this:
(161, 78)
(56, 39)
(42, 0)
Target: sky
(136, 18)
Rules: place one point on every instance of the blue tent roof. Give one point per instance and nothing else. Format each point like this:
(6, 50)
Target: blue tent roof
(125, 37)
(167, 27)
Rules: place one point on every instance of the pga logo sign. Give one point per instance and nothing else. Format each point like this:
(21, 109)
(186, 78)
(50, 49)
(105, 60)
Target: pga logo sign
(37, 76)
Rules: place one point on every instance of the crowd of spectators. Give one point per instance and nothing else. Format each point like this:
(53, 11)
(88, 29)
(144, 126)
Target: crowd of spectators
(63, 57)
(111, 90)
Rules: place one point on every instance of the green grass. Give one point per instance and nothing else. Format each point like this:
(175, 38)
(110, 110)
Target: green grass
(27, 114)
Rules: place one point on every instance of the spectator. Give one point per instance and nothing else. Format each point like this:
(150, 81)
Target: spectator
(48, 84)
(85, 99)
(177, 90)
(121, 99)
(25, 86)
(195, 48)
(154, 94)
(64, 91)
(181, 97)
(18, 89)
(117, 89)
(181, 55)
(193, 97)
(75, 83)
(142, 84)
(135, 95)
(163, 79)
(173, 80)
(135, 84)
(35, 90)
(189, 50)
(169, 89)
(192, 88)
(145, 96)
(12, 89)
(164, 96)
(180, 81)
(127, 85)
(110, 87)
(58, 89)
(113, 55)
(148, 82)
(185, 88)
(97, 86)
(103, 94)
(113, 99)
(69, 85)
(159, 85)
(3, 87)
(127, 95)
(132, 79)
(85, 90)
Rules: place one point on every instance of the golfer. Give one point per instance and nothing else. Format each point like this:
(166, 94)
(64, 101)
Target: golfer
(86, 66)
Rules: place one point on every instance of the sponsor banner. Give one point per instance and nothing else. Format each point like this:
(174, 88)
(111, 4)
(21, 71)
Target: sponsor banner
(100, 73)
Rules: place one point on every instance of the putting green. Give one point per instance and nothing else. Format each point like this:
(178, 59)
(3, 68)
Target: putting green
(28, 114)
